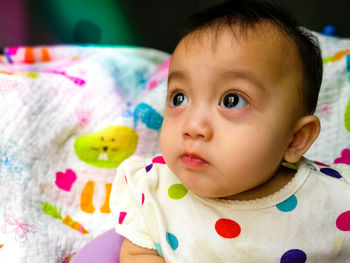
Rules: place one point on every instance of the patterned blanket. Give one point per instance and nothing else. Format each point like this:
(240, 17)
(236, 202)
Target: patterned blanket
(71, 114)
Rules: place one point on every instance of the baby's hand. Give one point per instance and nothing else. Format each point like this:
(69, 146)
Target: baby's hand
(131, 253)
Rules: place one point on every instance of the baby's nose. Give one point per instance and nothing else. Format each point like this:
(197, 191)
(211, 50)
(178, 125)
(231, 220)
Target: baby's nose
(198, 128)
(105, 148)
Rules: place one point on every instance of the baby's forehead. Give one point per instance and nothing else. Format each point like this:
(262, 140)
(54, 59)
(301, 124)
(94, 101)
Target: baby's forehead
(264, 41)
(265, 30)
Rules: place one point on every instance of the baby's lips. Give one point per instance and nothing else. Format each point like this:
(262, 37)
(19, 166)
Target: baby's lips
(194, 156)
(65, 180)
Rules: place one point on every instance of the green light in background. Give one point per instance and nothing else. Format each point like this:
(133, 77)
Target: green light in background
(89, 21)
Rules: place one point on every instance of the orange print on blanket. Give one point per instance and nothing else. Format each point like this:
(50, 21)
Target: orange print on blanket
(86, 198)
(105, 207)
(87, 195)
(45, 55)
(339, 55)
(29, 55)
(74, 224)
(5, 72)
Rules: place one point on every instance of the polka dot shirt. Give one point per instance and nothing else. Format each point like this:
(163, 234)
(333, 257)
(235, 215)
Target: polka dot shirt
(306, 221)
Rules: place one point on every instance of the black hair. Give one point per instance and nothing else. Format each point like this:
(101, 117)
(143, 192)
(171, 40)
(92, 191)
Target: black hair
(247, 14)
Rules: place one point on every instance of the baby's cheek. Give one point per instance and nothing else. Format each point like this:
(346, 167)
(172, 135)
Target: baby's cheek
(163, 140)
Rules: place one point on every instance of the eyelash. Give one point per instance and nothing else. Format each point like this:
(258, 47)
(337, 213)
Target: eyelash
(240, 94)
(172, 93)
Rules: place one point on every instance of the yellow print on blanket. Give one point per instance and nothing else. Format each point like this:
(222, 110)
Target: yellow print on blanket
(107, 148)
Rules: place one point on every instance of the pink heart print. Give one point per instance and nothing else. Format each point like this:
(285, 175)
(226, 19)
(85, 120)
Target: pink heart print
(65, 180)
(345, 157)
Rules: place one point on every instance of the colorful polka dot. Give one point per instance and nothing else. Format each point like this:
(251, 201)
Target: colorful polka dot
(172, 240)
(227, 228)
(294, 256)
(347, 117)
(142, 198)
(288, 205)
(158, 159)
(330, 172)
(149, 167)
(126, 179)
(159, 249)
(122, 217)
(321, 164)
(177, 191)
(343, 221)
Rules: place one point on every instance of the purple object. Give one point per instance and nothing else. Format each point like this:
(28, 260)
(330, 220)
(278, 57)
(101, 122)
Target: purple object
(103, 249)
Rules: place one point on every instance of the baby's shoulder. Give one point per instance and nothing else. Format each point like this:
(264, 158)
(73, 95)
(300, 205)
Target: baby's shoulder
(339, 172)
(139, 170)
(343, 170)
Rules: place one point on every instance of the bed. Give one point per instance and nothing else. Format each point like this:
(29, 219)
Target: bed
(70, 114)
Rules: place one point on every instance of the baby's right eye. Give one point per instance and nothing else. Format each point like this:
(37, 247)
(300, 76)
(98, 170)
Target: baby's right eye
(179, 99)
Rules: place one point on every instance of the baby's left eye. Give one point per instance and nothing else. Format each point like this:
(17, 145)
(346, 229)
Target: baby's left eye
(233, 101)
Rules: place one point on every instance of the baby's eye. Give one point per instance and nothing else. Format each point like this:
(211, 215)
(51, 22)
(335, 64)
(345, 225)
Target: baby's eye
(179, 99)
(233, 101)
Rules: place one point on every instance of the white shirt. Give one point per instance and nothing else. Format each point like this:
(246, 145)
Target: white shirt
(308, 219)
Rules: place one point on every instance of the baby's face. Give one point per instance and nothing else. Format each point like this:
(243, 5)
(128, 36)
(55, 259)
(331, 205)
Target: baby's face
(231, 109)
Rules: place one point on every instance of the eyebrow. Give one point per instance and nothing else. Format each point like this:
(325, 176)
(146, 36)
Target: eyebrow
(177, 75)
(227, 74)
(242, 74)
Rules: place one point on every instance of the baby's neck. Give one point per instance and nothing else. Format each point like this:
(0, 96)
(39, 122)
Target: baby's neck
(282, 177)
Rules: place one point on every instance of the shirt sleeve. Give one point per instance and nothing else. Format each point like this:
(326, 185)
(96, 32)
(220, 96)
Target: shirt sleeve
(126, 201)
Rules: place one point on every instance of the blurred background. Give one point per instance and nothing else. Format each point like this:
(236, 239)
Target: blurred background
(153, 23)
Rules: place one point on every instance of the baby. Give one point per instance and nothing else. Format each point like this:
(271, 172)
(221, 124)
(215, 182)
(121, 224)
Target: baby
(232, 184)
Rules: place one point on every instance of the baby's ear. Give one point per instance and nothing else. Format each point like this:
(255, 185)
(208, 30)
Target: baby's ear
(305, 133)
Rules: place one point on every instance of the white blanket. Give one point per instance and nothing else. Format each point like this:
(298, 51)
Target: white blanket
(69, 115)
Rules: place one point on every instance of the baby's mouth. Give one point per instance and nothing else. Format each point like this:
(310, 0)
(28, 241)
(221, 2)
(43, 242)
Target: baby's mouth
(193, 160)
